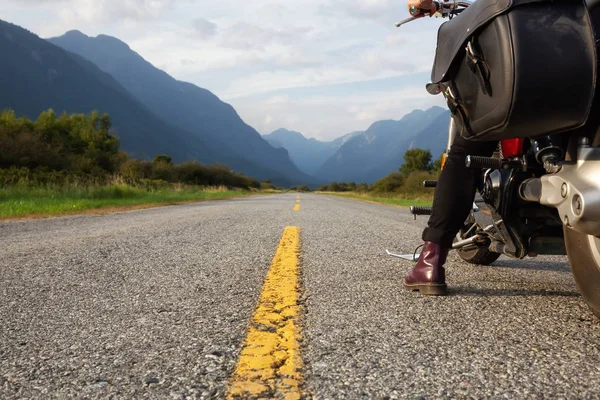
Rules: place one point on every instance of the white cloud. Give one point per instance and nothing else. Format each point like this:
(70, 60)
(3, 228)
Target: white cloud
(327, 117)
(363, 9)
(277, 100)
(244, 35)
(96, 11)
(204, 28)
(268, 120)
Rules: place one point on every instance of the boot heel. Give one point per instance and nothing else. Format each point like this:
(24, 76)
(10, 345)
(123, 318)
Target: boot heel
(429, 289)
(434, 290)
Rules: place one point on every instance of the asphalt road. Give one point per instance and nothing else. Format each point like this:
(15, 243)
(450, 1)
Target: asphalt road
(155, 304)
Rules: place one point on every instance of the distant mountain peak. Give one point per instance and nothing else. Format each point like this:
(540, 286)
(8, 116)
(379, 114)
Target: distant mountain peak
(435, 111)
(75, 34)
(282, 131)
(113, 41)
(415, 112)
(437, 108)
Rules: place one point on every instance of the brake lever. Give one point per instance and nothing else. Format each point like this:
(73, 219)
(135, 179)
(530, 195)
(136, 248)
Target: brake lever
(407, 20)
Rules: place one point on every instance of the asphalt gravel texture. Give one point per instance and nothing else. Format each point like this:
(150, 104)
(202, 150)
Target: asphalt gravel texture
(155, 304)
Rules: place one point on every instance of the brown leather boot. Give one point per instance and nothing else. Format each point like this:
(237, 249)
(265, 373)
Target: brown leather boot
(429, 275)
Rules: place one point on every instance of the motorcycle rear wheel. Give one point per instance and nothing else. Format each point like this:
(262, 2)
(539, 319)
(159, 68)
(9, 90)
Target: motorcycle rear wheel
(584, 256)
(479, 255)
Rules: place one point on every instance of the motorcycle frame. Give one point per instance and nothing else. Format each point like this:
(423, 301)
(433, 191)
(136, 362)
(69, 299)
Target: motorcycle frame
(512, 236)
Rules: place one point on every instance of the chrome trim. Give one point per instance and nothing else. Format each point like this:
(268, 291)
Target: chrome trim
(452, 131)
(575, 191)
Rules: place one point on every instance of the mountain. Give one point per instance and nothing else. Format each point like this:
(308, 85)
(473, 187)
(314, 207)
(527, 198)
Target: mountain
(185, 105)
(380, 150)
(308, 154)
(434, 137)
(37, 75)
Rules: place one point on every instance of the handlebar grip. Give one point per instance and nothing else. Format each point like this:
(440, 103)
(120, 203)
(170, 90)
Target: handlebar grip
(421, 7)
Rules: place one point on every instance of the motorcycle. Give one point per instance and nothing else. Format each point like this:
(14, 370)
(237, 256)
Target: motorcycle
(524, 73)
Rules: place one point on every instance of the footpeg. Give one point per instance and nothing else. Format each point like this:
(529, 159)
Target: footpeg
(414, 210)
(430, 184)
(477, 162)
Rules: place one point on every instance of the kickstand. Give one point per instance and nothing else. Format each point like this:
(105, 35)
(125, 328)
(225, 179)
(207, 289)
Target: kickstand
(409, 257)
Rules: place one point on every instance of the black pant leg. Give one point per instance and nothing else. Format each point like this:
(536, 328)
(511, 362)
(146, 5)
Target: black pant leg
(455, 191)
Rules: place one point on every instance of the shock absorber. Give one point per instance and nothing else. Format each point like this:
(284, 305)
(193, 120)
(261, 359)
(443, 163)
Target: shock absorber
(548, 153)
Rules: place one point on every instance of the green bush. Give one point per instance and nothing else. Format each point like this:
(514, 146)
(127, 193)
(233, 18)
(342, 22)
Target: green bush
(416, 160)
(134, 171)
(338, 187)
(413, 185)
(42, 176)
(389, 184)
(80, 149)
(362, 188)
(267, 185)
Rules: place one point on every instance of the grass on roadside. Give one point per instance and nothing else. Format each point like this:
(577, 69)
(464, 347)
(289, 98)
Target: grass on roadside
(387, 199)
(18, 202)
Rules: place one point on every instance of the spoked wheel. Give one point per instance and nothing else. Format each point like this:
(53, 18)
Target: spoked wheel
(584, 256)
(474, 254)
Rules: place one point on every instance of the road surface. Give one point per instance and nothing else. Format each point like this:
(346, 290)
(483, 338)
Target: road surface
(156, 304)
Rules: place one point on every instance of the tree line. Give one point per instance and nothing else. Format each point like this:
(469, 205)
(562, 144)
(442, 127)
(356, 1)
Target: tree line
(59, 149)
(408, 180)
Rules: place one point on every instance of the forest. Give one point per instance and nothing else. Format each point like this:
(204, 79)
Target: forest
(80, 149)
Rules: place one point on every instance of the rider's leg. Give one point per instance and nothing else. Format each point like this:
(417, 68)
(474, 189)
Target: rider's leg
(452, 203)
(455, 191)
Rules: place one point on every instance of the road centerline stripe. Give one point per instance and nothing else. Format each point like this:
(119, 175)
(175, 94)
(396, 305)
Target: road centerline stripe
(297, 207)
(270, 362)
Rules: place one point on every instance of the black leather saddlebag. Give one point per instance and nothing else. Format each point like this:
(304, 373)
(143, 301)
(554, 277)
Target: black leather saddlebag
(519, 68)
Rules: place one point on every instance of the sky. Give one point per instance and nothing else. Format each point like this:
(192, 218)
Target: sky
(321, 67)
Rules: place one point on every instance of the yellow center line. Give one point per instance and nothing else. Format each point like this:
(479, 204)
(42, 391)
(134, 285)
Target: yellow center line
(297, 207)
(297, 201)
(270, 363)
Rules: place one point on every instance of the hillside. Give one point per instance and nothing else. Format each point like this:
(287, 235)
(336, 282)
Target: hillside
(38, 75)
(308, 154)
(189, 107)
(379, 150)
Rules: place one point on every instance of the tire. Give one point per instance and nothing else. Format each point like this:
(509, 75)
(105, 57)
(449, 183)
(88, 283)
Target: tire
(584, 256)
(583, 251)
(480, 255)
